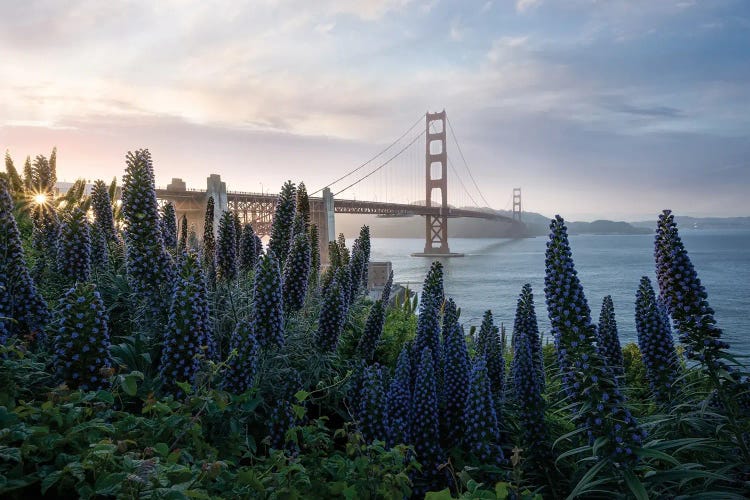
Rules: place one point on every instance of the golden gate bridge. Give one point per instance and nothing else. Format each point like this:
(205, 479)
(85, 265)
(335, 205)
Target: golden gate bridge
(369, 189)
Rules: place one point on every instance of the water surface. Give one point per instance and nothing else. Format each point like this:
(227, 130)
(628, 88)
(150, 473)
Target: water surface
(491, 275)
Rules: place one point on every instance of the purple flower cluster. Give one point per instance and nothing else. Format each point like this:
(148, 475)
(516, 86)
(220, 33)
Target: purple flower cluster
(19, 298)
(314, 256)
(303, 205)
(526, 322)
(74, 252)
(183, 242)
(99, 248)
(428, 321)
(399, 402)
(101, 205)
(455, 379)
(332, 318)
(685, 297)
(282, 419)
(343, 276)
(45, 238)
(283, 221)
(209, 239)
(368, 343)
(655, 342)
(242, 367)
(373, 416)
(81, 345)
(169, 226)
(237, 238)
(248, 252)
(364, 247)
(481, 431)
(268, 303)
(598, 404)
(356, 266)
(226, 250)
(385, 295)
(607, 339)
(528, 378)
(490, 346)
(189, 331)
(296, 273)
(425, 426)
(148, 264)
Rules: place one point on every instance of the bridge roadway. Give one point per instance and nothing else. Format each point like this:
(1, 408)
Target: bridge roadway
(194, 201)
(258, 209)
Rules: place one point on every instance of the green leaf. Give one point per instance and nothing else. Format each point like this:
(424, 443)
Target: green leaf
(10, 454)
(501, 491)
(162, 449)
(105, 396)
(634, 485)
(186, 387)
(50, 480)
(196, 494)
(301, 395)
(129, 385)
(110, 484)
(299, 411)
(439, 495)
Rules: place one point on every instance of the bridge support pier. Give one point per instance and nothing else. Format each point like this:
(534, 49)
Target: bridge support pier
(436, 178)
(218, 189)
(322, 215)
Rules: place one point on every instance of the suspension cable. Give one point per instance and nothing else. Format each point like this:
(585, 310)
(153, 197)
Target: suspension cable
(450, 162)
(382, 164)
(371, 159)
(465, 163)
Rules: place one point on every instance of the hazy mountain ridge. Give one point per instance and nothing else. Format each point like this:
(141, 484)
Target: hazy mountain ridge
(536, 224)
(702, 222)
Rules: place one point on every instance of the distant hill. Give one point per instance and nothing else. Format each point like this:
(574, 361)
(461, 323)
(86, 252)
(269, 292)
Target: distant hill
(702, 222)
(414, 227)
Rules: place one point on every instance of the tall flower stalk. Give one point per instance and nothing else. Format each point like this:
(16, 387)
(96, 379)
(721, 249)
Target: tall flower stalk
(188, 335)
(283, 218)
(242, 365)
(81, 345)
(296, 273)
(248, 253)
(169, 226)
(74, 254)
(607, 338)
(399, 402)
(19, 299)
(268, 303)
(226, 251)
(656, 343)
(598, 405)
(528, 380)
(373, 416)
(148, 264)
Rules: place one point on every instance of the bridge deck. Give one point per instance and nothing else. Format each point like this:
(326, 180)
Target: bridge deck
(194, 200)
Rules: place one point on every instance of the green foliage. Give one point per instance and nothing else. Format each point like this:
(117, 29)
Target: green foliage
(283, 418)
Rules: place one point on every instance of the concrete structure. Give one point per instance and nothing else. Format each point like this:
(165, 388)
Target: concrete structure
(377, 274)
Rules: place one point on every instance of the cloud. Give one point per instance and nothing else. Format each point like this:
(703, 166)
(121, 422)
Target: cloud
(551, 101)
(457, 31)
(525, 5)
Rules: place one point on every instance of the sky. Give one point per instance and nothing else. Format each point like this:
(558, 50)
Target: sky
(595, 108)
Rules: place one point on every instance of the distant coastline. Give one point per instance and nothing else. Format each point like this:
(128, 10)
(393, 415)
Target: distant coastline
(537, 225)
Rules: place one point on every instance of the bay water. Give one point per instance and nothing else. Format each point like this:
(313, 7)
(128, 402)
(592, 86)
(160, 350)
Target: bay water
(492, 272)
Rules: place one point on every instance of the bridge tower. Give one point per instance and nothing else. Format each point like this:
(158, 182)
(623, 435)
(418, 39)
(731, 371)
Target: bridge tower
(436, 179)
(517, 204)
